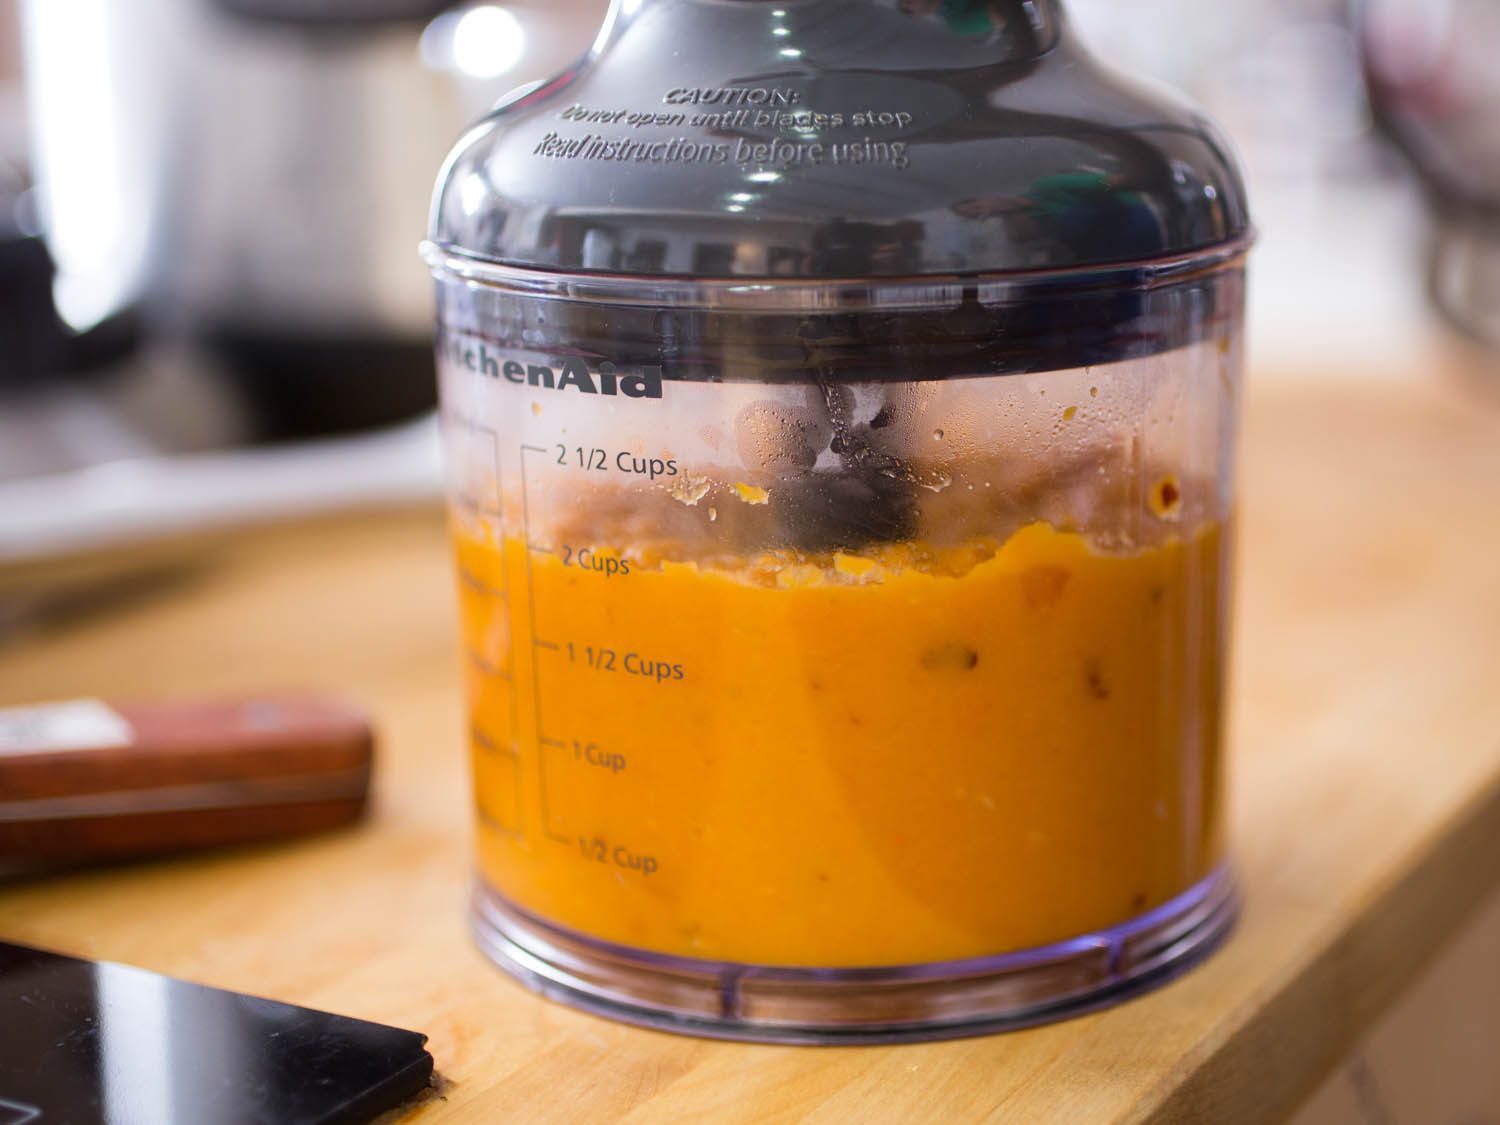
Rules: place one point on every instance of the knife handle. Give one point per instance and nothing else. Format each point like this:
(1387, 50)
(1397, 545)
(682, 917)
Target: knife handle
(83, 780)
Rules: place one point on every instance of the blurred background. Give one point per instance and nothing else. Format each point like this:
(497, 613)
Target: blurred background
(212, 311)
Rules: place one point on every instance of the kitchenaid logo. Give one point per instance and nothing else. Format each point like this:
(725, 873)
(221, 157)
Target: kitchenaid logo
(575, 373)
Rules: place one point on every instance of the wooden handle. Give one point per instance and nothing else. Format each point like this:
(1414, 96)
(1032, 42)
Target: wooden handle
(84, 780)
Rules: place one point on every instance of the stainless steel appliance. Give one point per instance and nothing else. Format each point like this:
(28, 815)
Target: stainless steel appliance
(253, 173)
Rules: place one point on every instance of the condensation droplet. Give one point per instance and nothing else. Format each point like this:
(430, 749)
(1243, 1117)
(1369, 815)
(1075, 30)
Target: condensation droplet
(937, 435)
(935, 480)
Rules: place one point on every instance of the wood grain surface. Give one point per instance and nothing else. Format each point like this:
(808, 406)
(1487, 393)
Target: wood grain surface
(1366, 796)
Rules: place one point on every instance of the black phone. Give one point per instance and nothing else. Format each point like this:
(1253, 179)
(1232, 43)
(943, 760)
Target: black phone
(97, 1043)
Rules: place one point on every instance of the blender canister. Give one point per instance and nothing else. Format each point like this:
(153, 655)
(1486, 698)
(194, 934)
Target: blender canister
(840, 398)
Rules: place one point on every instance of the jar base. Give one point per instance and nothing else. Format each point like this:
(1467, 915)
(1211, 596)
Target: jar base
(887, 1004)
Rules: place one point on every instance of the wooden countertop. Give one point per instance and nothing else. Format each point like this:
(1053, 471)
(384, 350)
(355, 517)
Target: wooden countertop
(1366, 796)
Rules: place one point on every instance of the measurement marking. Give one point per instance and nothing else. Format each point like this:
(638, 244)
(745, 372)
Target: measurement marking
(552, 742)
(536, 679)
(544, 644)
(486, 743)
(539, 550)
(491, 503)
(473, 506)
(480, 499)
(489, 509)
(494, 823)
(479, 586)
(485, 668)
(507, 675)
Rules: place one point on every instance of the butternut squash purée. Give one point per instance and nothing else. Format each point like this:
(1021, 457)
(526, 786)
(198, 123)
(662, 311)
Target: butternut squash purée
(909, 755)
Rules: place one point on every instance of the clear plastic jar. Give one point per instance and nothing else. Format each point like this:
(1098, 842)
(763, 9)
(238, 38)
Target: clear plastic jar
(845, 654)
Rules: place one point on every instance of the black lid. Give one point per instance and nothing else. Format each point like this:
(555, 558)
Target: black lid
(837, 139)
